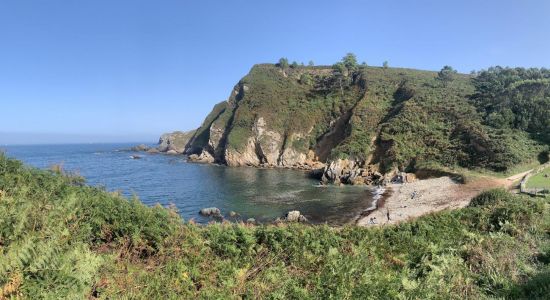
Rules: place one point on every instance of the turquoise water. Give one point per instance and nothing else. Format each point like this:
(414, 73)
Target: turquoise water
(264, 194)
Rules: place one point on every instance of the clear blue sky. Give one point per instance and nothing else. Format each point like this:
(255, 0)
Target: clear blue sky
(130, 70)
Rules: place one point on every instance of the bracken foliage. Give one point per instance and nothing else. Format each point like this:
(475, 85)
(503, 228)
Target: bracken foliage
(60, 239)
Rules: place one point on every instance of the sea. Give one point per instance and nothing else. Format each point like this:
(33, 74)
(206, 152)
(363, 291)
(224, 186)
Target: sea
(262, 194)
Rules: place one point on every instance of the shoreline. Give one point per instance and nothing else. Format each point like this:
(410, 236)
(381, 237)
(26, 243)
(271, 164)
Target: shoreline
(411, 200)
(396, 203)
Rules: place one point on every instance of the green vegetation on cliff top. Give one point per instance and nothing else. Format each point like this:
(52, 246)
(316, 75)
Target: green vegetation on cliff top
(60, 239)
(392, 117)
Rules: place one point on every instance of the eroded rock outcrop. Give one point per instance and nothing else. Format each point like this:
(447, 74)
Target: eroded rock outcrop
(262, 149)
(344, 171)
(204, 157)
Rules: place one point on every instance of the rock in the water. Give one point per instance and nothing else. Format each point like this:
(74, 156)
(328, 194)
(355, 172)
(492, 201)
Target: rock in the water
(135, 157)
(233, 214)
(295, 216)
(210, 211)
(172, 152)
(140, 148)
(251, 220)
(204, 157)
(344, 171)
(153, 151)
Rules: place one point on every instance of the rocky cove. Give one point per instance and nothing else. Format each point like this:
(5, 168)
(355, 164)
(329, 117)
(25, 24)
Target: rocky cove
(353, 125)
(329, 125)
(259, 127)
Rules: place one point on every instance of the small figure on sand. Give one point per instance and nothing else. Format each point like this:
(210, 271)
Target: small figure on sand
(373, 221)
(413, 195)
(388, 214)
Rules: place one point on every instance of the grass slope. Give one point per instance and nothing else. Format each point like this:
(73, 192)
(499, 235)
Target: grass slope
(540, 180)
(62, 239)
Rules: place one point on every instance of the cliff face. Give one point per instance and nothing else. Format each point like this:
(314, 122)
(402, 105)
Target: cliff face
(276, 119)
(358, 125)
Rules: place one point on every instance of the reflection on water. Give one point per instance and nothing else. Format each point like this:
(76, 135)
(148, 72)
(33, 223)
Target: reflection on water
(263, 194)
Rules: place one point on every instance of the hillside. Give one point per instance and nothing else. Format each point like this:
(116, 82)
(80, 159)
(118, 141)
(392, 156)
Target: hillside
(61, 239)
(359, 121)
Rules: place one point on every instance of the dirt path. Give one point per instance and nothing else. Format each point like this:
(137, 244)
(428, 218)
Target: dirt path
(411, 200)
(518, 176)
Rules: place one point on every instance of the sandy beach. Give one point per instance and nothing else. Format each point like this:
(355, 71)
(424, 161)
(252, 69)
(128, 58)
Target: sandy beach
(410, 200)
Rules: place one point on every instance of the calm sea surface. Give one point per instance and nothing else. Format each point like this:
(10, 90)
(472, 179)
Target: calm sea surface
(264, 194)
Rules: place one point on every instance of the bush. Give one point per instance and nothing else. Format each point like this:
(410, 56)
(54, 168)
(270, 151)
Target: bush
(492, 197)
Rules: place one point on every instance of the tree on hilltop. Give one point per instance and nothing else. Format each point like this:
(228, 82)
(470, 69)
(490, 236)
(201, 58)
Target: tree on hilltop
(350, 61)
(446, 74)
(340, 71)
(283, 63)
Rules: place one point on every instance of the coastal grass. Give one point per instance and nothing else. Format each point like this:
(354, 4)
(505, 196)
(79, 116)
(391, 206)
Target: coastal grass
(61, 239)
(540, 180)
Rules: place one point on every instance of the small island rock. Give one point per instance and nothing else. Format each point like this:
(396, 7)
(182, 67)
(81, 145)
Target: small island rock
(140, 148)
(295, 216)
(210, 211)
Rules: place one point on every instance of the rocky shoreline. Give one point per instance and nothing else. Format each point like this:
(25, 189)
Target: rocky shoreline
(338, 172)
(293, 216)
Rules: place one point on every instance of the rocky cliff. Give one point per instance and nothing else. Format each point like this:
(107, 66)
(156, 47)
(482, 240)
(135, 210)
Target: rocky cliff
(357, 124)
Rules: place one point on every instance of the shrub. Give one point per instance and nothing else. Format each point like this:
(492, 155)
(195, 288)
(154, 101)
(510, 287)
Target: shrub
(491, 197)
